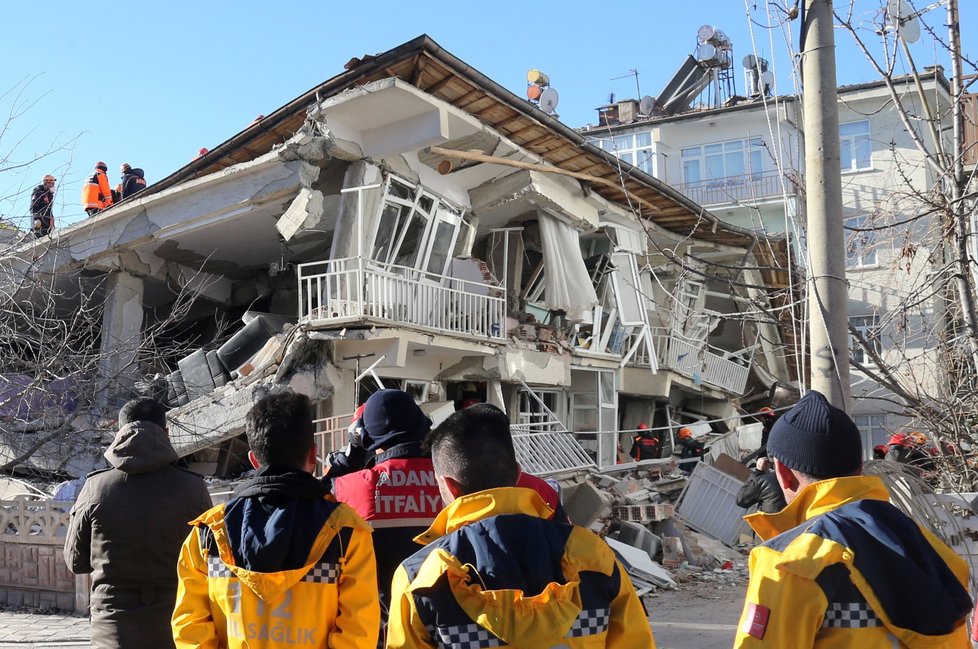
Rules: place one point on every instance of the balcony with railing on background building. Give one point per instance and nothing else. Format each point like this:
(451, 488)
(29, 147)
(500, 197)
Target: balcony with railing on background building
(743, 188)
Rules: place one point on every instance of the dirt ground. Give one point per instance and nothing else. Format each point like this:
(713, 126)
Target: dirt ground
(701, 614)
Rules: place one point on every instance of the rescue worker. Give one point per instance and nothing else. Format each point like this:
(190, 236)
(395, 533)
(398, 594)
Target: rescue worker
(689, 448)
(840, 566)
(496, 571)
(351, 457)
(133, 181)
(645, 445)
(396, 492)
(96, 194)
(879, 452)
(42, 203)
(282, 563)
(909, 450)
(126, 529)
(762, 489)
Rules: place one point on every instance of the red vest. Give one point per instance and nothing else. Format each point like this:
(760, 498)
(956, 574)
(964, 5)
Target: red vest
(397, 493)
(543, 488)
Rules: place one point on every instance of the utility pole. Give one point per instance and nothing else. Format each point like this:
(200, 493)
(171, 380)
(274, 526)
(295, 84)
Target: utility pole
(828, 294)
(966, 277)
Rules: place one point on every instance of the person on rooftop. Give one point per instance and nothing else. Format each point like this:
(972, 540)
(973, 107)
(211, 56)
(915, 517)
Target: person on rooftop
(96, 193)
(42, 204)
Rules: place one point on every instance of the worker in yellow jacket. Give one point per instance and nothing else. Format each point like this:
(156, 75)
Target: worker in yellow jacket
(496, 570)
(282, 564)
(840, 566)
(96, 193)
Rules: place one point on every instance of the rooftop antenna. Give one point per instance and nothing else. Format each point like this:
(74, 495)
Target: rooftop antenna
(631, 73)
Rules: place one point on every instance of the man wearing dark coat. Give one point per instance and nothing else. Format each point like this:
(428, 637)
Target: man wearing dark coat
(127, 527)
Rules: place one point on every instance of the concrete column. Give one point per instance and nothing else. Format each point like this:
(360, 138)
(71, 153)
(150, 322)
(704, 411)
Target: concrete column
(122, 325)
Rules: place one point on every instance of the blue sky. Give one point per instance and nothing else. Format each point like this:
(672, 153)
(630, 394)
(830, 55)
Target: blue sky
(151, 83)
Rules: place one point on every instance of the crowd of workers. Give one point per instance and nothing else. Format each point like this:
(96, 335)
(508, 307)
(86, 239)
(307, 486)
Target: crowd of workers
(96, 195)
(421, 537)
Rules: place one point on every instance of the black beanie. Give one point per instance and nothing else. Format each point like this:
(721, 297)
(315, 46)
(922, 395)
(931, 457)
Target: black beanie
(391, 417)
(817, 439)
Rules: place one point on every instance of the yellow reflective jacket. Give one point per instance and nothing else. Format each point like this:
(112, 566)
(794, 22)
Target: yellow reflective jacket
(497, 573)
(230, 594)
(842, 567)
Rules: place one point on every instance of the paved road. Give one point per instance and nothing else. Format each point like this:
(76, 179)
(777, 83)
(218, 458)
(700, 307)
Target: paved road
(699, 616)
(20, 629)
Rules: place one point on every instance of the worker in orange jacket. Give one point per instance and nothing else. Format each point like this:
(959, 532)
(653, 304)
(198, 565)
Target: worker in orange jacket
(96, 193)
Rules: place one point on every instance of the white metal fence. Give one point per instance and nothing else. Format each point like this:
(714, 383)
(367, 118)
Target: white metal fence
(725, 370)
(353, 288)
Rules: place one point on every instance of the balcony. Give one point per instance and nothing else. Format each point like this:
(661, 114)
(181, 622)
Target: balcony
(746, 188)
(351, 290)
(699, 361)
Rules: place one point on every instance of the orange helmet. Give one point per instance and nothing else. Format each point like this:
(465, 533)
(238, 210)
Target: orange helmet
(685, 433)
(918, 438)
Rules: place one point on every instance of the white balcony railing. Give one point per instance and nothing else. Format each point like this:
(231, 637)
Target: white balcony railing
(736, 189)
(355, 289)
(697, 360)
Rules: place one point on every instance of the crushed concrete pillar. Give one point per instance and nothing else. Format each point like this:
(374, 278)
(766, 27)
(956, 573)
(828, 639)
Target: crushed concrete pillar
(122, 325)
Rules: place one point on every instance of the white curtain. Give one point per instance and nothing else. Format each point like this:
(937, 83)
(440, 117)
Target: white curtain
(567, 284)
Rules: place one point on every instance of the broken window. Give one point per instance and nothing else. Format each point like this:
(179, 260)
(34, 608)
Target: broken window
(416, 230)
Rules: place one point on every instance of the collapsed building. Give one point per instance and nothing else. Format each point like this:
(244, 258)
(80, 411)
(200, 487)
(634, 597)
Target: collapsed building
(410, 223)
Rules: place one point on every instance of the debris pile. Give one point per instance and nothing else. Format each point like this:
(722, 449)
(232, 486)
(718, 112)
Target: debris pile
(636, 508)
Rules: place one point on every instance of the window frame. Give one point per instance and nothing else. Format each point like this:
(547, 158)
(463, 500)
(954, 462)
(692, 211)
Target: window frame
(865, 256)
(869, 327)
(699, 154)
(421, 205)
(852, 164)
(616, 145)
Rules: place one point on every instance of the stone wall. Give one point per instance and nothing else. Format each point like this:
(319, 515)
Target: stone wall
(33, 573)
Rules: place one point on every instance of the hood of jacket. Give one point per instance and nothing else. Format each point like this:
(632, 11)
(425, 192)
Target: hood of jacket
(519, 619)
(273, 519)
(850, 521)
(140, 447)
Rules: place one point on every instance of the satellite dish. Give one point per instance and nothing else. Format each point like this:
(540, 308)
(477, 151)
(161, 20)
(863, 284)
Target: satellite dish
(706, 52)
(548, 101)
(750, 61)
(767, 82)
(705, 33)
(646, 105)
(904, 20)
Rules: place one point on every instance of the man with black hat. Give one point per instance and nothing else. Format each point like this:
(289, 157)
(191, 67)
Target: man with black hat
(396, 493)
(838, 563)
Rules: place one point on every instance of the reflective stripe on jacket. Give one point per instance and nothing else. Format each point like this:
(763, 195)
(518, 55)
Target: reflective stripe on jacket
(329, 601)
(498, 570)
(842, 567)
(96, 192)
